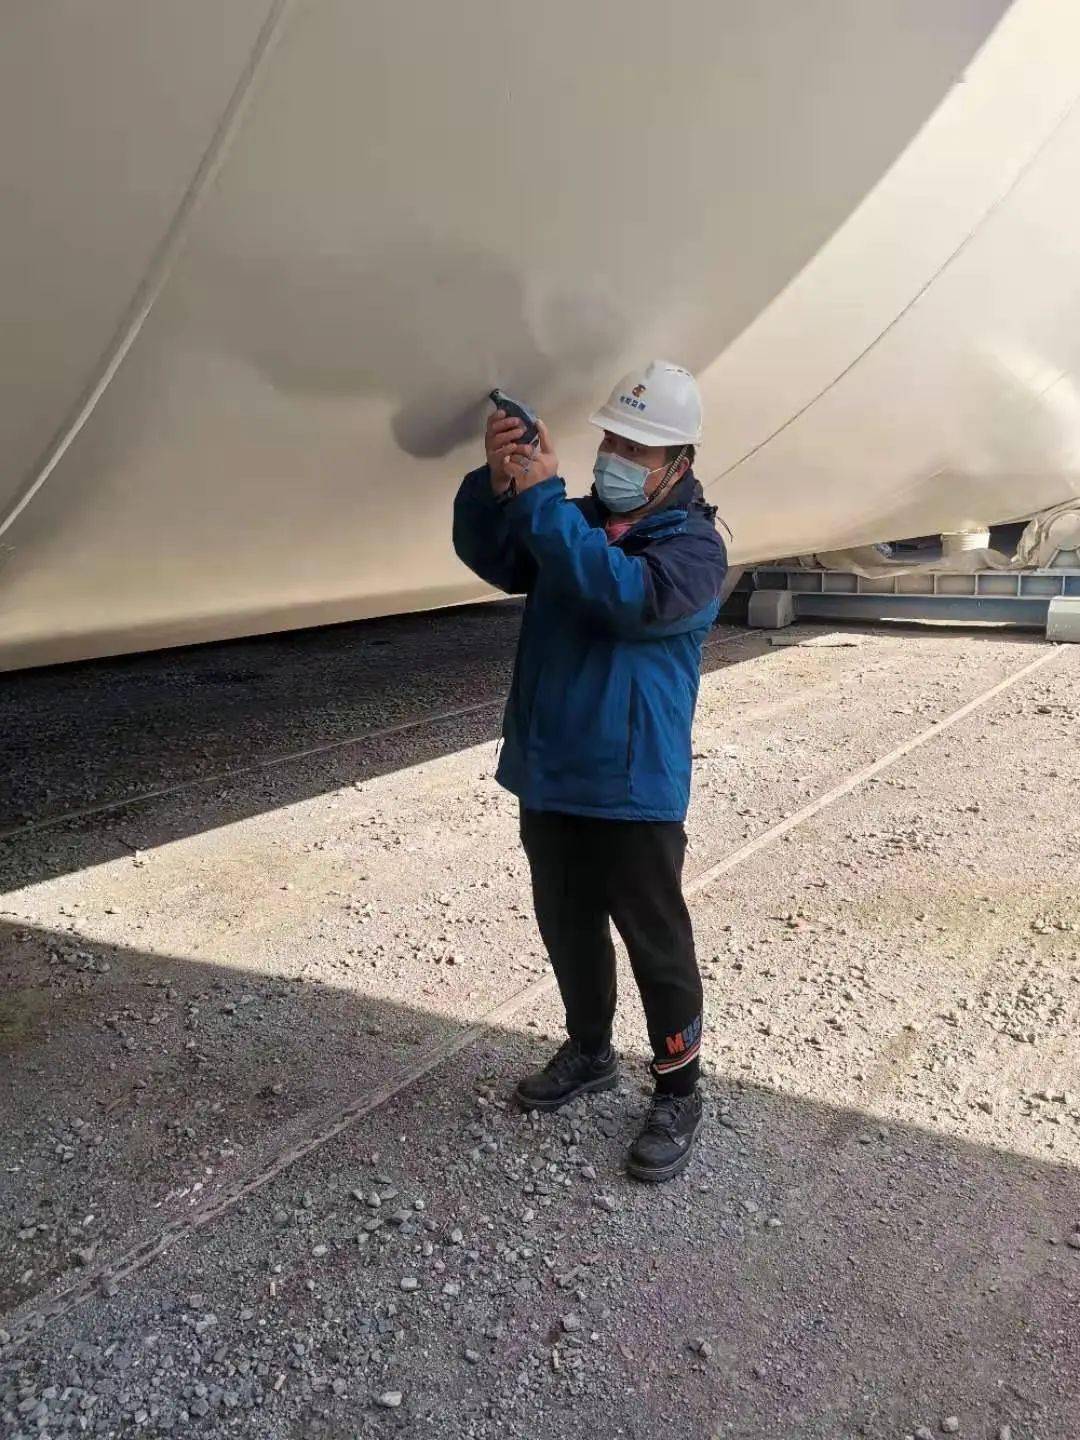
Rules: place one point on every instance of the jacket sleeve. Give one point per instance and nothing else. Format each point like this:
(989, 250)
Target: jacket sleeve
(685, 573)
(638, 596)
(483, 540)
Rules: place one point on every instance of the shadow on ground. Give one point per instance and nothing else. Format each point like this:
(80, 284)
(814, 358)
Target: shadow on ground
(92, 734)
(81, 736)
(849, 1276)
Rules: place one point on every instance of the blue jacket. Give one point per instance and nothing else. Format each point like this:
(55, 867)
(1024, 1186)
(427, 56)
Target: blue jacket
(608, 664)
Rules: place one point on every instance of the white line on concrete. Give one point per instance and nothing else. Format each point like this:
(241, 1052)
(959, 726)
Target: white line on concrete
(783, 827)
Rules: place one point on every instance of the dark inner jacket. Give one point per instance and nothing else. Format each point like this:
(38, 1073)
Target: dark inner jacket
(605, 684)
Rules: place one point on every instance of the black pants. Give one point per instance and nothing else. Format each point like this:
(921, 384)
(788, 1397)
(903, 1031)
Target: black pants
(586, 873)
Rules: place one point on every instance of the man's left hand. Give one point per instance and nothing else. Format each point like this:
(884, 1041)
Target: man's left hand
(530, 465)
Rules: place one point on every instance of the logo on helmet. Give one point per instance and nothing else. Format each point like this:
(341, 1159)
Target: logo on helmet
(632, 400)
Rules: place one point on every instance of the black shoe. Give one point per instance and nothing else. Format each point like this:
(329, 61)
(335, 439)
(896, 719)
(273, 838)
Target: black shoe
(666, 1143)
(569, 1073)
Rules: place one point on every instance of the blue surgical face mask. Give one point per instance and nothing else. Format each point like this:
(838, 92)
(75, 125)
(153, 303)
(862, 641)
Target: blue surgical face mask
(620, 483)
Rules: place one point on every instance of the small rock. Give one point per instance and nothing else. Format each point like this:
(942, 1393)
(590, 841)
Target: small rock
(588, 1172)
(571, 1322)
(922, 1433)
(473, 1357)
(1073, 1241)
(1004, 1432)
(390, 1399)
(950, 1425)
(605, 1203)
(410, 1283)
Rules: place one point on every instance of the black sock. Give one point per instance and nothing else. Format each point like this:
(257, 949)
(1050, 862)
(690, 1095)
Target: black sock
(679, 1082)
(597, 1051)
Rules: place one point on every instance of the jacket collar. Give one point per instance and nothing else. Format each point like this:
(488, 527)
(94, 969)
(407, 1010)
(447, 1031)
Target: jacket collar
(684, 497)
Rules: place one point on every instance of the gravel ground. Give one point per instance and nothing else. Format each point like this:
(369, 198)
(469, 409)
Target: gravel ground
(181, 714)
(881, 1232)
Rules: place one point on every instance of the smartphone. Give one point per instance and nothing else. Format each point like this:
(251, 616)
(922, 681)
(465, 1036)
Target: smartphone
(514, 411)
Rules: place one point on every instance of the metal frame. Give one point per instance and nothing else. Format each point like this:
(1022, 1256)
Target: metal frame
(1009, 597)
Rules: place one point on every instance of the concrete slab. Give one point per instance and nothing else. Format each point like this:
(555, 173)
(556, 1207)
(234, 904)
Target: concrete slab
(1063, 620)
(771, 610)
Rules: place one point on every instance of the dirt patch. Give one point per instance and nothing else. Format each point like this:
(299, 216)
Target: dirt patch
(21, 1015)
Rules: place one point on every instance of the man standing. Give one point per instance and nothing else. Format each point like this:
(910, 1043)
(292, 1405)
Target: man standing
(623, 587)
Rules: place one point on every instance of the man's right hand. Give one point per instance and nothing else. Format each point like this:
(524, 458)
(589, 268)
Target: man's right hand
(500, 439)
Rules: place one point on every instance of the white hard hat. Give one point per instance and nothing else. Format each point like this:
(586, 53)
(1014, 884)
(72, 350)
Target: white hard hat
(660, 405)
